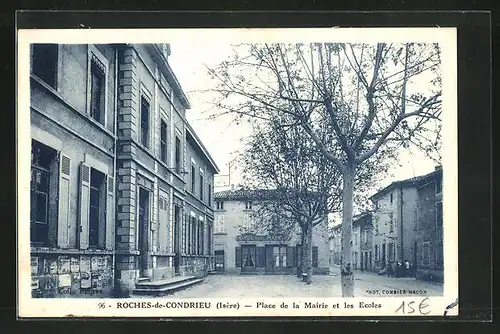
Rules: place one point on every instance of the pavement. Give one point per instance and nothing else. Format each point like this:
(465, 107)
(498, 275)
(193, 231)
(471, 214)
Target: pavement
(323, 286)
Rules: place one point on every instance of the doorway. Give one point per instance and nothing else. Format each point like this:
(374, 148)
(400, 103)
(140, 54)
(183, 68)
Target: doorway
(383, 254)
(248, 258)
(219, 260)
(143, 230)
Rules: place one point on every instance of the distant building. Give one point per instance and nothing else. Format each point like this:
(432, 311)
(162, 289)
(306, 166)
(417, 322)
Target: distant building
(361, 238)
(394, 219)
(408, 225)
(428, 243)
(240, 250)
(336, 244)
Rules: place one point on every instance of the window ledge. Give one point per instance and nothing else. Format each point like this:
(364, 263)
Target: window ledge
(194, 255)
(49, 250)
(220, 233)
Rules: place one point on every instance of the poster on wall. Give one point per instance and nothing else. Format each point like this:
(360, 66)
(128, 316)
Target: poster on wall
(85, 280)
(50, 266)
(101, 262)
(34, 284)
(94, 263)
(85, 264)
(95, 280)
(34, 265)
(64, 280)
(75, 264)
(63, 265)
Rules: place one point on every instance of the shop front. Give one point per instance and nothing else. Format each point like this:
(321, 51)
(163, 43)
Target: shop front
(263, 254)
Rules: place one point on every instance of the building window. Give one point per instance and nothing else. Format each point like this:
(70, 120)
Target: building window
(177, 155)
(219, 225)
(163, 141)
(209, 194)
(44, 63)
(279, 256)
(439, 220)
(201, 186)
(391, 252)
(97, 91)
(193, 179)
(355, 235)
(391, 222)
(425, 254)
(97, 202)
(185, 235)
(248, 222)
(439, 185)
(144, 121)
(209, 240)
(391, 198)
(219, 205)
(194, 240)
(377, 253)
(201, 238)
(42, 160)
(248, 205)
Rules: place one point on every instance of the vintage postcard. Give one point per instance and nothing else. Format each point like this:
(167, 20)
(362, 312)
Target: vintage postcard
(237, 172)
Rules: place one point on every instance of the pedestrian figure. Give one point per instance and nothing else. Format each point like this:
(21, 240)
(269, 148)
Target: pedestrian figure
(389, 270)
(407, 268)
(398, 269)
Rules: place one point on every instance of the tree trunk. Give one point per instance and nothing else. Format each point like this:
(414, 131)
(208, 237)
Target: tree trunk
(309, 253)
(300, 259)
(346, 274)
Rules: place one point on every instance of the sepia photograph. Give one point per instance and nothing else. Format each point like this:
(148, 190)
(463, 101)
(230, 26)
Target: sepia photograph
(242, 171)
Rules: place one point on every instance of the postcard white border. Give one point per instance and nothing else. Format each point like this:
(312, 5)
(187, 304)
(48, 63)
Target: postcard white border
(446, 37)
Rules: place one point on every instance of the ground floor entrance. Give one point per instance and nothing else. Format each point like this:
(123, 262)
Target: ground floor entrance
(219, 261)
(267, 259)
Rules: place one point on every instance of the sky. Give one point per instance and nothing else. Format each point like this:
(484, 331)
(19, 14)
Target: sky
(223, 138)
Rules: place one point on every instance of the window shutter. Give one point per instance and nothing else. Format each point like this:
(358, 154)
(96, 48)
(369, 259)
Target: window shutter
(84, 205)
(290, 256)
(315, 256)
(261, 257)
(237, 253)
(64, 223)
(110, 213)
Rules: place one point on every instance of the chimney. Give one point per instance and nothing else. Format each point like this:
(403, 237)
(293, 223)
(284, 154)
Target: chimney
(232, 187)
(438, 167)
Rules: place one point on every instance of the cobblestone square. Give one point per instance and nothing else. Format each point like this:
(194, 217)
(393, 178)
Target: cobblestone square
(323, 286)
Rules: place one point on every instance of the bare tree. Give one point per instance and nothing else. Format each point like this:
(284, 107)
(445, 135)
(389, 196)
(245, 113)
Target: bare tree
(302, 185)
(355, 102)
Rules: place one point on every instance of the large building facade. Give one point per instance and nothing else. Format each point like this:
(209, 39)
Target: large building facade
(361, 239)
(73, 127)
(428, 243)
(239, 249)
(112, 196)
(394, 219)
(165, 174)
(408, 225)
